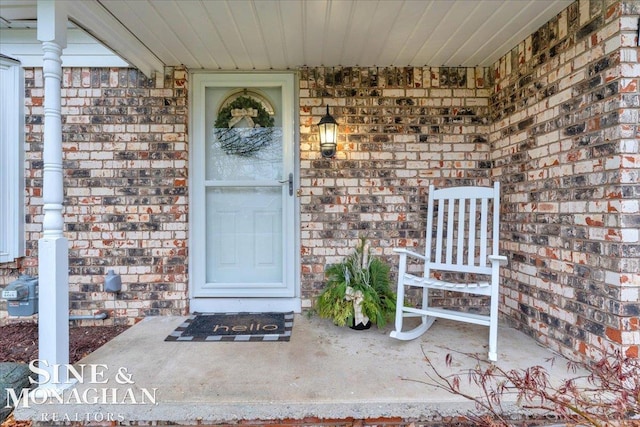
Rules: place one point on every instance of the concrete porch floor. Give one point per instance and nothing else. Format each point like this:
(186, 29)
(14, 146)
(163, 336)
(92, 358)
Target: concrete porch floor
(324, 372)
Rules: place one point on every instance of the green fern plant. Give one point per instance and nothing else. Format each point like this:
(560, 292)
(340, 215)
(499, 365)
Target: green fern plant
(361, 271)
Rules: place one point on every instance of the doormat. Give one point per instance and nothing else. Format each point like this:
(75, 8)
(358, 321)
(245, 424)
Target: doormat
(234, 327)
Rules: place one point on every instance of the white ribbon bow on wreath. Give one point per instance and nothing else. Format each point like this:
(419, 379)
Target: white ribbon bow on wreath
(237, 114)
(357, 297)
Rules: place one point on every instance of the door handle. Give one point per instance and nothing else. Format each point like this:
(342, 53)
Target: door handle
(290, 182)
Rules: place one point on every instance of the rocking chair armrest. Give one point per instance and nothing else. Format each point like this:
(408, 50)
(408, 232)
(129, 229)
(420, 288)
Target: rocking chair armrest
(501, 259)
(404, 251)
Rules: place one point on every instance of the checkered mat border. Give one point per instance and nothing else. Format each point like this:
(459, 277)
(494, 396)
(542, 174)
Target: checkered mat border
(179, 333)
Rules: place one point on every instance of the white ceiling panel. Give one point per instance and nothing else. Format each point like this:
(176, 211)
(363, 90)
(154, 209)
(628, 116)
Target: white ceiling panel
(204, 40)
(359, 40)
(293, 42)
(143, 19)
(335, 33)
(400, 35)
(284, 34)
(270, 17)
(174, 17)
(221, 48)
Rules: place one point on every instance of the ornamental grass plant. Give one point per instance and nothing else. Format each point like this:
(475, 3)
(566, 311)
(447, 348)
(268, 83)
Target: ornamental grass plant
(358, 290)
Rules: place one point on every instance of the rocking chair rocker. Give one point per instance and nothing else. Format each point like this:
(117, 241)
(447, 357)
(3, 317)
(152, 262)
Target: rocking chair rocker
(460, 250)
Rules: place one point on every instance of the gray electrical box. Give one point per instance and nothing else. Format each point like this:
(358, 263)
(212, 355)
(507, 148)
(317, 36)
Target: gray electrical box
(22, 296)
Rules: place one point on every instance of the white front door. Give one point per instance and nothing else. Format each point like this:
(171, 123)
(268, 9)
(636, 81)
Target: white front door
(243, 250)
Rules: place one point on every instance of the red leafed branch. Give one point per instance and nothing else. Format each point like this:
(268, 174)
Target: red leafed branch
(609, 394)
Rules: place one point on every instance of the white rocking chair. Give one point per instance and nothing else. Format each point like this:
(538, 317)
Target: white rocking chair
(463, 245)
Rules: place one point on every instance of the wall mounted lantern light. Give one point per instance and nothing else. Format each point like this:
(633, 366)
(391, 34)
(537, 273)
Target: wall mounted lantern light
(328, 135)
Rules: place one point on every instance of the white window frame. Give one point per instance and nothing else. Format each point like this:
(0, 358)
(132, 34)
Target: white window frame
(12, 241)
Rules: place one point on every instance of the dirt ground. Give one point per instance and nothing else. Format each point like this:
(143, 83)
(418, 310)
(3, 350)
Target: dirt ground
(19, 343)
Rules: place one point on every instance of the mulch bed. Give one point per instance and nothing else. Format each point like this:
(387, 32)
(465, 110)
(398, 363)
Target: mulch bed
(19, 341)
(11, 422)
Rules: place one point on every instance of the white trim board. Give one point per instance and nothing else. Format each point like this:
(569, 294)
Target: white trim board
(82, 50)
(12, 239)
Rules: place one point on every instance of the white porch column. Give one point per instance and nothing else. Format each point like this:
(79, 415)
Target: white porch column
(53, 250)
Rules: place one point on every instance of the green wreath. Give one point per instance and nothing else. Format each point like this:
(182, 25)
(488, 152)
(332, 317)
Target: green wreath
(243, 141)
(263, 119)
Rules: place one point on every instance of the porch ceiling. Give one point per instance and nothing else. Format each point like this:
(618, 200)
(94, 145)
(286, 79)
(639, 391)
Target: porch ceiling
(283, 34)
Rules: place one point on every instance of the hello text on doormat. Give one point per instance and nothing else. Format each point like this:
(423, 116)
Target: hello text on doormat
(215, 327)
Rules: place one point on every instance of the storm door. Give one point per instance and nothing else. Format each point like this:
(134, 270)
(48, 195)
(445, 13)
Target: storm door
(243, 242)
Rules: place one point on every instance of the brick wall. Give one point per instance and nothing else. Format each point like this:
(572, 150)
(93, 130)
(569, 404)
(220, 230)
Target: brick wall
(125, 161)
(627, 332)
(125, 164)
(400, 130)
(564, 136)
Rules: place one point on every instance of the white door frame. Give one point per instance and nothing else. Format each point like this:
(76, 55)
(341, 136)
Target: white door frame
(197, 263)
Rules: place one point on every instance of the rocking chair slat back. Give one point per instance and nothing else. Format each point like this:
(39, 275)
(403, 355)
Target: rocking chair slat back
(466, 240)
